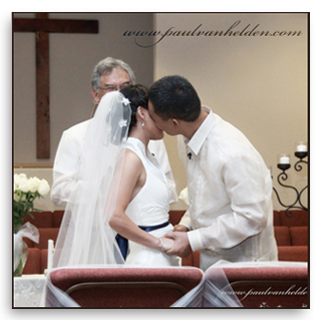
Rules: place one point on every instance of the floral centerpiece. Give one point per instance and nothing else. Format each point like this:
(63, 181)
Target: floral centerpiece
(25, 191)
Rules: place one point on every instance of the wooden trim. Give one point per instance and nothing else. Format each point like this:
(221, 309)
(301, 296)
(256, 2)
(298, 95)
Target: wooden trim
(55, 25)
(111, 285)
(42, 95)
(32, 165)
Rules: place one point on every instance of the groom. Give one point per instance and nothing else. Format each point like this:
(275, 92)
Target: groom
(230, 215)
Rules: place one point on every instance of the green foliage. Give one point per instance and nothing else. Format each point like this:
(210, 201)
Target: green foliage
(22, 205)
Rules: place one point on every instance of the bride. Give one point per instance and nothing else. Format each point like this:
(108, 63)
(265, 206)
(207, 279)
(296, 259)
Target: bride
(121, 193)
(142, 205)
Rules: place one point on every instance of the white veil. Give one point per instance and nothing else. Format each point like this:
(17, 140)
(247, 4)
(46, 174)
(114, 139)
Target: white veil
(85, 237)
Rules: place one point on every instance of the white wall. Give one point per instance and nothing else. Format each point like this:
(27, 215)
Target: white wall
(72, 59)
(259, 84)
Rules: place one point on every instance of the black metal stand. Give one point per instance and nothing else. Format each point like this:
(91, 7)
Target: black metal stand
(297, 204)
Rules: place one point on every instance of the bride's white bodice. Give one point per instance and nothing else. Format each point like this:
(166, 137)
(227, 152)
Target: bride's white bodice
(151, 205)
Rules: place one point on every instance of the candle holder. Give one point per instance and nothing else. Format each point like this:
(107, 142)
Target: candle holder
(301, 152)
(284, 164)
(284, 167)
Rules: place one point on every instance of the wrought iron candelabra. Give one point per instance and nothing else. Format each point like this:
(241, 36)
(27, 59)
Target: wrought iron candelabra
(284, 164)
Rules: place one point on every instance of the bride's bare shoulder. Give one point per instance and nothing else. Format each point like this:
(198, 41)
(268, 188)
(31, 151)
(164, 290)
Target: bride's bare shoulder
(132, 161)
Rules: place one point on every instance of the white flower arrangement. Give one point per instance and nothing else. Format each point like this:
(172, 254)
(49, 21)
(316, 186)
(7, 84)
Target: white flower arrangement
(22, 183)
(25, 192)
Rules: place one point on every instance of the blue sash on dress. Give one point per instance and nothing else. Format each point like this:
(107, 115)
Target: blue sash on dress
(123, 242)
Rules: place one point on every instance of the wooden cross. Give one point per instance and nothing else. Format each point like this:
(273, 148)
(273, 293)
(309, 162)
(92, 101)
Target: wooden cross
(42, 26)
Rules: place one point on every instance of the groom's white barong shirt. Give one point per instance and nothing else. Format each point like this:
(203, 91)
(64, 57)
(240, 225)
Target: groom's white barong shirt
(67, 159)
(230, 194)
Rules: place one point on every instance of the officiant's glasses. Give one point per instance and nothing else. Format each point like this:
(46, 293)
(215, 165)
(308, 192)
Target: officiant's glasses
(110, 88)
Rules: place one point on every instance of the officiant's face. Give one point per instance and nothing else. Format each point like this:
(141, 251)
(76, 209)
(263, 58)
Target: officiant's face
(114, 81)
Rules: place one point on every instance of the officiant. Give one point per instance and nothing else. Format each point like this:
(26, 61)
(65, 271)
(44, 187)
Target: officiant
(108, 75)
(230, 216)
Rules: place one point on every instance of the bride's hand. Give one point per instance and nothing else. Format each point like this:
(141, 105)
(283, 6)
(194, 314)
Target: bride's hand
(167, 244)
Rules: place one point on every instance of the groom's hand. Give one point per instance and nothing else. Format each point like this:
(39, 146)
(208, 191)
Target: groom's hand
(180, 228)
(181, 246)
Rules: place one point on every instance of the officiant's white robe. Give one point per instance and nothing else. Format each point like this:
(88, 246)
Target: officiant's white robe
(68, 155)
(230, 195)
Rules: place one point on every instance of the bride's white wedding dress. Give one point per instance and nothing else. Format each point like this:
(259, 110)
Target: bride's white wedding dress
(149, 210)
(86, 239)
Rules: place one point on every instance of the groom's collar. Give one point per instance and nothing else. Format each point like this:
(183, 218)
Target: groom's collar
(197, 140)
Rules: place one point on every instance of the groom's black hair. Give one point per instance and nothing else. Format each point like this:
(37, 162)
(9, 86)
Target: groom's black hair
(175, 97)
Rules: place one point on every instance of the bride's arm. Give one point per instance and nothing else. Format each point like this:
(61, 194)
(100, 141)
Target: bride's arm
(130, 183)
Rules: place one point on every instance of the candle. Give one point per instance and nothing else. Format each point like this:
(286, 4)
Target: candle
(301, 147)
(50, 254)
(284, 160)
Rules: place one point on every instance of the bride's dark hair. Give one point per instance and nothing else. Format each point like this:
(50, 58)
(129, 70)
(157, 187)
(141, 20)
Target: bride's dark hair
(138, 97)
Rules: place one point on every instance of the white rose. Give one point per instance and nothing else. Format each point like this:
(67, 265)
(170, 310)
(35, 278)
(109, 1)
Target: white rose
(184, 195)
(19, 178)
(44, 187)
(24, 186)
(34, 184)
(16, 179)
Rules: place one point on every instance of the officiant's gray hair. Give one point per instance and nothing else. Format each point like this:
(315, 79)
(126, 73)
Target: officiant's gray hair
(105, 66)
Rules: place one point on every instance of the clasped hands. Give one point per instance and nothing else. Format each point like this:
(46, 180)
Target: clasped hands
(176, 242)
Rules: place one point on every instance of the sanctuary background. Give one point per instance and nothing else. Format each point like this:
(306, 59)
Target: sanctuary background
(253, 73)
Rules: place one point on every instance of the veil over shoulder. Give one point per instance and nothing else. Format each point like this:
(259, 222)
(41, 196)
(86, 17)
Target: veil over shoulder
(85, 237)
